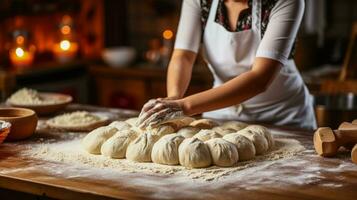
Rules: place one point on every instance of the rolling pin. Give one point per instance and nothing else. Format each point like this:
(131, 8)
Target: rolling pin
(328, 141)
(354, 154)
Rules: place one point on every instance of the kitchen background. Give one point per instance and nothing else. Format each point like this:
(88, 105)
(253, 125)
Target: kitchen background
(114, 52)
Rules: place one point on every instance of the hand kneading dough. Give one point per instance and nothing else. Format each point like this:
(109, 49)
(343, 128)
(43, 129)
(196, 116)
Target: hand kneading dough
(263, 131)
(165, 150)
(188, 131)
(161, 130)
(207, 134)
(259, 141)
(223, 131)
(120, 125)
(235, 125)
(140, 149)
(204, 123)
(132, 121)
(94, 140)
(115, 147)
(223, 153)
(193, 153)
(245, 147)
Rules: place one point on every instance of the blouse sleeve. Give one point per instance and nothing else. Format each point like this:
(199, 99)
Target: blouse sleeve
(189, 31)
(282, 29)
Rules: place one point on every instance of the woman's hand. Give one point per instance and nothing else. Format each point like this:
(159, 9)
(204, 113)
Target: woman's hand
(160, 110)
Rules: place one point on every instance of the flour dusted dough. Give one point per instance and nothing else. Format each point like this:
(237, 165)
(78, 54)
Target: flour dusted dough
(223, 131)
(207, 134)
(259, 141)
(234, 125)
(188, 131)
(193, 153)
(180, 122)
(140, 149)
(204, 123)
(161, 130)
(165, 150)
(263, 131)
(245, 147)
(224, 153)
(115, 147)
(94, 140)
(120, 125)
(132, 121)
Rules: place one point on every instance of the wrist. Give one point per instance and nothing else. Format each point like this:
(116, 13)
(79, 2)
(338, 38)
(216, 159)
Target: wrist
(186, 106)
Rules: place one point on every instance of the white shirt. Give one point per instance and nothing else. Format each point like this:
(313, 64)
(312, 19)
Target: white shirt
(276, 44)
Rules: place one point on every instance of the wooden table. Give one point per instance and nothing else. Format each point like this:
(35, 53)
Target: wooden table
(306, 176)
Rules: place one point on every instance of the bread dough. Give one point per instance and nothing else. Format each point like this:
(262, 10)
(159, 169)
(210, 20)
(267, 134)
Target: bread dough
(223, 131)
(224, 153)
(165, 150)
(188, 131)
(245, 147)
(140, 149)
(115, 147)
(204, 123)
(207, 134)
(93, 141)
(263, 131)
(132, 121)
(193, 153)
(235, 125)
(161, 130)
(259, 141)
(120, 125)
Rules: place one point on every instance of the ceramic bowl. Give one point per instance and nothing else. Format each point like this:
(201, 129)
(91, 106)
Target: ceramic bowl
(119, 56)
(23, 122)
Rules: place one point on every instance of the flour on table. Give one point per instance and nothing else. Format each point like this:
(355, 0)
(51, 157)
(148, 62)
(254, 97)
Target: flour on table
(71, 152)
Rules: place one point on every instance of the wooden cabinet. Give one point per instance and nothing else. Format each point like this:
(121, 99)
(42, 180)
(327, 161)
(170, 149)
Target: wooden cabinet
(132, 87)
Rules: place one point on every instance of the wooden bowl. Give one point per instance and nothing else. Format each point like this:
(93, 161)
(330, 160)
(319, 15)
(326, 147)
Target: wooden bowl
(23, 122)
(45, 109)
(4, 130)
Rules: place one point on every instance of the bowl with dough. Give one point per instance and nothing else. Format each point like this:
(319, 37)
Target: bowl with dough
(23, 122)
(119, 56)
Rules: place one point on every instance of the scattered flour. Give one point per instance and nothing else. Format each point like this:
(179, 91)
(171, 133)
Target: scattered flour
(70, 152)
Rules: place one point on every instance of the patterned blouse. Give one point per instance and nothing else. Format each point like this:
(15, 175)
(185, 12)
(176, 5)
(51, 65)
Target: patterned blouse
(244, 18)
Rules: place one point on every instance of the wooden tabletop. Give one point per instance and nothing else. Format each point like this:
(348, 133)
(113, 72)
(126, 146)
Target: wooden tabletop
(304, 176)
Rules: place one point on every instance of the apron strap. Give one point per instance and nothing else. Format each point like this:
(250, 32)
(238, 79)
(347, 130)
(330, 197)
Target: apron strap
(256, 17)
(213, 11)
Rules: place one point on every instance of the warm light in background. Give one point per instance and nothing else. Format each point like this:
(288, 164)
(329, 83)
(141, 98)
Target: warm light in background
(65, 30)
(65, 45)
(19, 52)
(167, 34)
(20, 39)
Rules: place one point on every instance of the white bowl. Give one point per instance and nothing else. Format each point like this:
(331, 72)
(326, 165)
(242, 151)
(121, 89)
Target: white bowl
(119, 56)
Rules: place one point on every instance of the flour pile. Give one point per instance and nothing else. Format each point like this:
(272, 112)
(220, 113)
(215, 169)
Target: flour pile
(70, 152)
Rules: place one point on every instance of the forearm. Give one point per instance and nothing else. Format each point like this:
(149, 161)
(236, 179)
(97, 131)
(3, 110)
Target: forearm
(235, 91)
(179, 73)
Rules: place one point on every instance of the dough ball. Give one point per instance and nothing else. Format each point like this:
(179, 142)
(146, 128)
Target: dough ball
(224, 153)
(93, 141)
(245, 147)
(193, 153)
(120, 125)
(188, 131)
(204, 123)
(165, 150)
(140, 149)
(115, 147)
(263, 131)
(132, 121)
(207, 134)
(161, 130)
(235, 125)
(180, 122)
(259, 141)
(223, 131)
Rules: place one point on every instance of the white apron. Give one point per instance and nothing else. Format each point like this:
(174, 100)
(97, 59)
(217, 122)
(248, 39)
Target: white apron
(228, 54)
